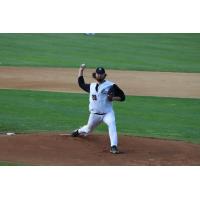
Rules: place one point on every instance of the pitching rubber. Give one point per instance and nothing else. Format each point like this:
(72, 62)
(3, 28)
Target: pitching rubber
(65, 134)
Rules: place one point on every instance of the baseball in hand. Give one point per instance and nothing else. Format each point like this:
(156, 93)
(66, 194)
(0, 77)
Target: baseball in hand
(83, 66)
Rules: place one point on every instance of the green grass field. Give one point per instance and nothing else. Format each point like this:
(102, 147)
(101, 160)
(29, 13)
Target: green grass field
(149, 52)
(5, 163)
(31, 111)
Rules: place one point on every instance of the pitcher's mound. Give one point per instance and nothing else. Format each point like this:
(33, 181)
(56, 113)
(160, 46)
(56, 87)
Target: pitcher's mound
(55, 149)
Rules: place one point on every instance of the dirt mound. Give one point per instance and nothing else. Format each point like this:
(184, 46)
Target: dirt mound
(54, 149)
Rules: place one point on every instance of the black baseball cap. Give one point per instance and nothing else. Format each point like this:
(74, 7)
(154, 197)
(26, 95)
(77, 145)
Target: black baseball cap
(100, 70)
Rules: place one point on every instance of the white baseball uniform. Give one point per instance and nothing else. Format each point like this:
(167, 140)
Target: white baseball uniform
(100, 111)
(100, 106)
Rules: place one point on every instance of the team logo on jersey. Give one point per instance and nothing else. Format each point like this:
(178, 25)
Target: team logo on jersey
(105, 91)
(94, 97)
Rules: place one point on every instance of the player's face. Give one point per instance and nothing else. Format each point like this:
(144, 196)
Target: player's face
(100, 77)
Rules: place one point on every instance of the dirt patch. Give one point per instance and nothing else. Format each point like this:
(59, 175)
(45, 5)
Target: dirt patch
(137, 83)
(53, 149)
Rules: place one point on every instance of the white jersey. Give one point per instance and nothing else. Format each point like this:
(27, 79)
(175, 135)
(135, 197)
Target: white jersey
(99, 102)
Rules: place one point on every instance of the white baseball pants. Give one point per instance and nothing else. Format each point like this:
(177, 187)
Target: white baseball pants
(94, 120)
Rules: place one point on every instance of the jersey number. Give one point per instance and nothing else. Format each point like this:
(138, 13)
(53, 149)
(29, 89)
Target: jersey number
(94, 97)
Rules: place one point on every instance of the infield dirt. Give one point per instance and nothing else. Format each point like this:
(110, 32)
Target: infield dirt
(53, 149)
(164, 84)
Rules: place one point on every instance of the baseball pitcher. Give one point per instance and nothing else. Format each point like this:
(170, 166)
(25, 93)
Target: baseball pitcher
(101, 94)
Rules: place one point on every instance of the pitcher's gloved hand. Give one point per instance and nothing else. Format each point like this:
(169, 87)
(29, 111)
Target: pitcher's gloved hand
(110, 96)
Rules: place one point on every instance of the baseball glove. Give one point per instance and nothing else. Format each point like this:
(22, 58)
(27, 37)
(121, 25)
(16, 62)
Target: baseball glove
(111, 93)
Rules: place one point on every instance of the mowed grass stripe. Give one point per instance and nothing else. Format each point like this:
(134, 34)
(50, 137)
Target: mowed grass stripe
(143, 52)
(5, 163)
(31, 111)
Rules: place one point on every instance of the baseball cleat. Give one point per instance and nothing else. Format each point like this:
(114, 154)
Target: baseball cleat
(114, 149)
(75, 133)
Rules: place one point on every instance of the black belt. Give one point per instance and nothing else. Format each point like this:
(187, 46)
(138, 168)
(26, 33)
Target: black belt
(99, 113)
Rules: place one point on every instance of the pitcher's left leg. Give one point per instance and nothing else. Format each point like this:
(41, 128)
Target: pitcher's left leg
(109, 119)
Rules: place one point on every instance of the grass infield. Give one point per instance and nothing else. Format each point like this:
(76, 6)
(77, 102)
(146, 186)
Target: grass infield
(143, 52)
(5, 163)
(35, 111)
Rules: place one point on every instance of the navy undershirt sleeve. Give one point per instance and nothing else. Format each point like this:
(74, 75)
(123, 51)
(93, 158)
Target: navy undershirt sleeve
(83, 85)
(117, 92)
